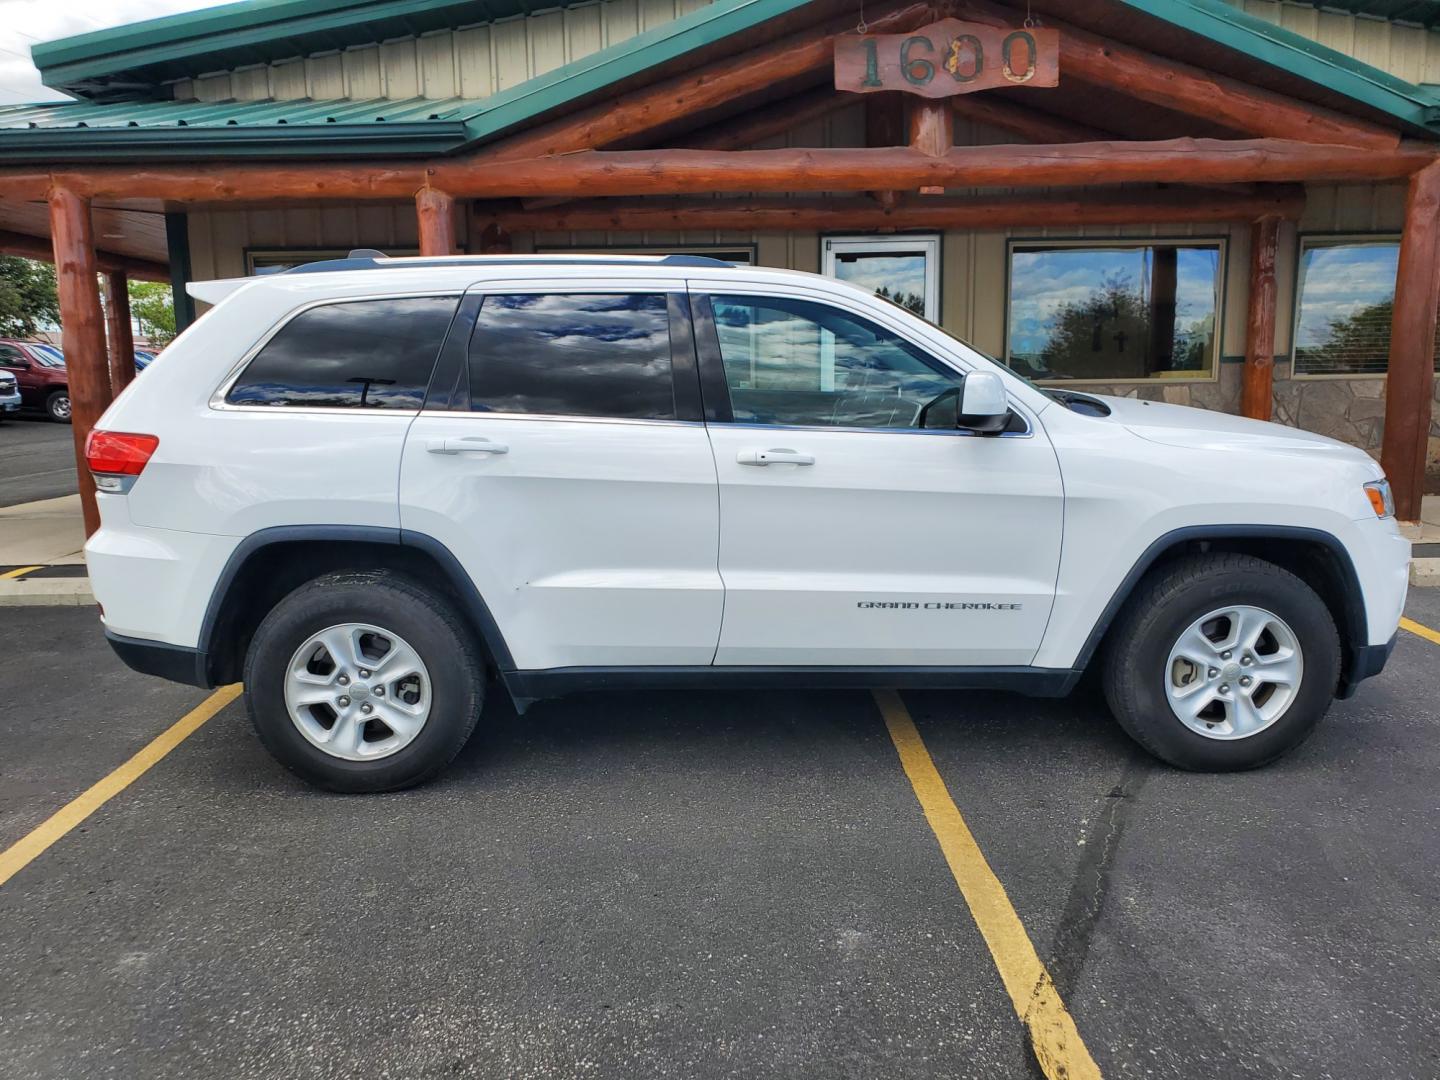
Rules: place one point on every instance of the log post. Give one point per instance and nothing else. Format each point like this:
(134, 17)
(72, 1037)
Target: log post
(1257, 389)
(1410, 382)
(884, 126)
(82, 329)
(932, 132)
(494, 240)
(435, 211)
(122, 338)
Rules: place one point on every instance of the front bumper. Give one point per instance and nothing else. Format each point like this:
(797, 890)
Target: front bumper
(1365, 662)
(10, 402)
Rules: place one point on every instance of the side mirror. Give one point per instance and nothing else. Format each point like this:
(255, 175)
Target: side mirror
(984, 408)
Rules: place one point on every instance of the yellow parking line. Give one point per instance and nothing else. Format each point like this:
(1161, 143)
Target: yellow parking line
(19, 571)
(1420, 630)
(1053, 1035)
(20, 854)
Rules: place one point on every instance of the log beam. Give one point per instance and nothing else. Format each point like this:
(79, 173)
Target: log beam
(121, 337)
(82, 330)
(1257, 387)
(837, 214)
(669, 101)
(1410, 379)
(1030, 124)
(596, 173)
(1193, 91)
(39, 247)
(435, 214)
(768, 122)
(885, 126)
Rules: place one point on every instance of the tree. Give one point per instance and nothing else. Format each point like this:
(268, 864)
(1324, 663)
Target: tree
(28, 300)
(153, 306)
(1357, 343)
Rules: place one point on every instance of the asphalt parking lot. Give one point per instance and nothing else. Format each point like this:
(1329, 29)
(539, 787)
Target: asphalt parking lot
(37, 459)
(711, 885)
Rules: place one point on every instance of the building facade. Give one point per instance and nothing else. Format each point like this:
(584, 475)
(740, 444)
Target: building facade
(1148, 288)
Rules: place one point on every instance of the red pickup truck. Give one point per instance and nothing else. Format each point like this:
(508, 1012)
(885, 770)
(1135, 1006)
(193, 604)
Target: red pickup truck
(40, 371)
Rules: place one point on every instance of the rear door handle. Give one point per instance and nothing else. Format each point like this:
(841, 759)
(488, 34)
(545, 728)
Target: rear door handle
(778, 456)
(469, 444)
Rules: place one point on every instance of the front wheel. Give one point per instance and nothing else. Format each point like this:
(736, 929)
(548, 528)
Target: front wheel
(363, 681)
(57, 406)
(1222, 662)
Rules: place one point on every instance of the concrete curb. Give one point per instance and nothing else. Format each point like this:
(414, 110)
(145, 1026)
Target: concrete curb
(44, 592)
(1425, 573)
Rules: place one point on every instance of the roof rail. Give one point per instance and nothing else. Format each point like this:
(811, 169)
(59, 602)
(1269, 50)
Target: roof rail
(370, 259)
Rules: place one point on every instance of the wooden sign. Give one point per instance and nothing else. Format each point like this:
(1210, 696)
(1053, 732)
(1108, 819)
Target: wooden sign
(948, 57)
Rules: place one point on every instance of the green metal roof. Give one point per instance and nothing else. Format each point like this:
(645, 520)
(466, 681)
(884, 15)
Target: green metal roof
(84, 130)
(1299, 56)
(155, 129)
(147, 54)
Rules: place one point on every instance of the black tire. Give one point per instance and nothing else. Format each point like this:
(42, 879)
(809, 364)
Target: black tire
(57, 406)
(1164, 606)
(401, 605)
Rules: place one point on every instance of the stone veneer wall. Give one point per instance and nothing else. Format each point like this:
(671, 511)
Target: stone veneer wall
(1351, 409)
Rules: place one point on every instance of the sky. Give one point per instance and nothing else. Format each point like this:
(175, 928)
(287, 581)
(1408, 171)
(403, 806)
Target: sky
(24, 23)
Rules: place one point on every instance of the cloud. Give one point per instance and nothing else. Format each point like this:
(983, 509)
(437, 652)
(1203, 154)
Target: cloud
(24, 23)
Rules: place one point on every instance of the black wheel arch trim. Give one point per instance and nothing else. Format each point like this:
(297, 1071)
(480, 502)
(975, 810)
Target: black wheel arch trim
(464, 589)
(1359, 658)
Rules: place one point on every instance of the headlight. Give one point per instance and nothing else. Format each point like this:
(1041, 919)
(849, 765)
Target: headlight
(1383, 502)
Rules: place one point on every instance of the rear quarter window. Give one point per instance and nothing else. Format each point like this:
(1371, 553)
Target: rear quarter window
(356, 354)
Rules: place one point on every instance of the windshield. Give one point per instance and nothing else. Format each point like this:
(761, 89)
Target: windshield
(48, 355)
(1051, 394)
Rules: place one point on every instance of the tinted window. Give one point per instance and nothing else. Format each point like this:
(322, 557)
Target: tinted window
(573, 355)
(9, 354)
(802, 363)
(369, 354)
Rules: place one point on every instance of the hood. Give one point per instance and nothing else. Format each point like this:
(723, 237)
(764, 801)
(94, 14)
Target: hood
(1203, 429)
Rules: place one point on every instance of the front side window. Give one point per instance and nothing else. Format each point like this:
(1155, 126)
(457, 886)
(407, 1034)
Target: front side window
(10, 356)
(573, 354)
(798, 362)
(361, 354)
(1114, 312)
(1345, 299)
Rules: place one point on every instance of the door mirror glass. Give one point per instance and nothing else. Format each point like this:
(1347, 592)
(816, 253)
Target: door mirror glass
(984, 407)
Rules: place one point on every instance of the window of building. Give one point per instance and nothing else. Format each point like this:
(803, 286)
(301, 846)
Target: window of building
(1114, 312)
(1344, 299)
(580, 354)
(902, 269)
(363, 354)
(797, 362)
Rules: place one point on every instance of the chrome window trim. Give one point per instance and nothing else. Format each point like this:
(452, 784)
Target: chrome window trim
(1028, 433)
(232, 376)
(561, 418)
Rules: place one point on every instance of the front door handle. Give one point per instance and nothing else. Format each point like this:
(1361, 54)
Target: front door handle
(469, 444)
(778, 456)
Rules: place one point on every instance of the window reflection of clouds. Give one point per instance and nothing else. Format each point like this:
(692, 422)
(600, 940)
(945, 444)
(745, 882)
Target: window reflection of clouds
(799, 362)
(373, 353)
(573, 355)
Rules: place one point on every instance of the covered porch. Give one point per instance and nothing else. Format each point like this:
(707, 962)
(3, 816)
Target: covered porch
(737, 130)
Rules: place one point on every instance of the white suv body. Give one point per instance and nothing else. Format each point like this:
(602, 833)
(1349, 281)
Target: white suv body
(766, 505)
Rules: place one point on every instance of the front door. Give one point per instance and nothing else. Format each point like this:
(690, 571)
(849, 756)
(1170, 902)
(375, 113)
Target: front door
(856, 526)
(572, 477)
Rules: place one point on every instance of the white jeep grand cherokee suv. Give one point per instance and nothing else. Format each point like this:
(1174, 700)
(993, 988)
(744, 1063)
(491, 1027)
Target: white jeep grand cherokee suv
(372, 487)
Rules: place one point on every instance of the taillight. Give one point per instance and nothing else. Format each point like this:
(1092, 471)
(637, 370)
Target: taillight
(114, 455)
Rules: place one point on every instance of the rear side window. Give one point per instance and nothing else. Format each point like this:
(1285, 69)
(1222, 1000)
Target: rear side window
(582, 354)
(362, 354)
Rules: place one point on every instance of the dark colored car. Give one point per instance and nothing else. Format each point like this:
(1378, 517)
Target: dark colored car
(40, 371)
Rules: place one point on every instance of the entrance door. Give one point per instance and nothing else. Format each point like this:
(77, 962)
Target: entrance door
(857, 526)
(573, 479)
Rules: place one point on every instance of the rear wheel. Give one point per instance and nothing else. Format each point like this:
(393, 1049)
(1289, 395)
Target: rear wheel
(57, 406)
(1222, 662)
(363, 681)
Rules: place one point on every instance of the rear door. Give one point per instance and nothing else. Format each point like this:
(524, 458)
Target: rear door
(567, 468)
(858, 527)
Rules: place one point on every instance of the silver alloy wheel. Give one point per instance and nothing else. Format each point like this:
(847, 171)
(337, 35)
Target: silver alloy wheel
(1234, 672)
(61, 408)
(357, 691)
